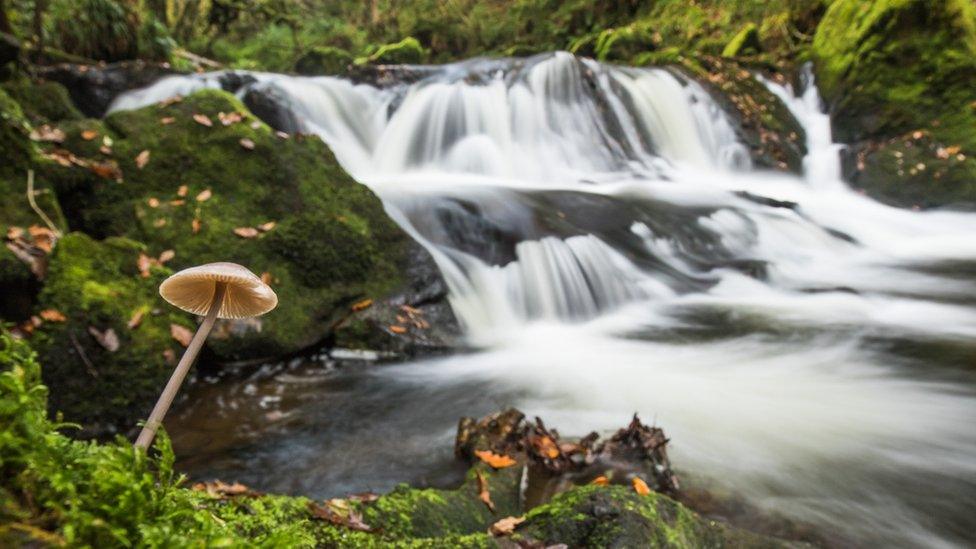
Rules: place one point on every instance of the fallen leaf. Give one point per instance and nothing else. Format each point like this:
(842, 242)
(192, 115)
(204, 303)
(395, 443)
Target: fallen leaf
(107, 141)
(401, 319)
(105, 150)
(360, 305)
(53, 315)
(204, 195)
(265, 227)
(106, 339)
(142, 159)
(218, 489)
(203, 120)
(153, 202)
(600, 481)
(364, 497)
(229, 118)
(640, 486)
(398, 329)
(496, 461)
(181, 192)
(136, 319)
(88, 135)
(410, 310)
(247, 144)
(169, 356)
(195, 225)
(256, 124)
(143, 263)
(166, 120)
(166, 256)
(159, 223)
(47, 134)
(107, 170)
(338, 512)
(169, 101)
(177, 202)
(266, 278)
(483, 494)
(43, 237)
(13, 233)
(282, 134)
(546, 447)
(505, 526)
(180, 334)
(246, 232)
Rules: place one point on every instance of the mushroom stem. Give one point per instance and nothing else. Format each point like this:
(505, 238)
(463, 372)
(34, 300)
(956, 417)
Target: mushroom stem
(179, 374)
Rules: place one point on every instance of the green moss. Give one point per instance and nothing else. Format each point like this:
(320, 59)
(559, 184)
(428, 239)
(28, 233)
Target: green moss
(744, 43)
(15, 146)
(42, 102)
(323, 60)
(900, 66)
(333, 242)
(406, 51)
(625, 42)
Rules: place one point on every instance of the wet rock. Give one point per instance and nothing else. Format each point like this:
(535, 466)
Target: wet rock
(269, 104)
(93, 87)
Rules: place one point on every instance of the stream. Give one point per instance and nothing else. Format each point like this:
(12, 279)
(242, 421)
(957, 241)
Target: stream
(609, 249)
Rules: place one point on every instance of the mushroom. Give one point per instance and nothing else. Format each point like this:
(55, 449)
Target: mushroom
(216, 290)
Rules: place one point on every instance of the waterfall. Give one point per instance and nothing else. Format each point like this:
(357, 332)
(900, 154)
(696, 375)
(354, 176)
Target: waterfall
(610, 247)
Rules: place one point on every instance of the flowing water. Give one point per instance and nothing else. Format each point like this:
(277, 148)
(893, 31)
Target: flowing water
(609, 249)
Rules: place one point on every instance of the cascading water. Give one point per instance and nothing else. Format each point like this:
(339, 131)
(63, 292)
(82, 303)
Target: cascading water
(599, 231)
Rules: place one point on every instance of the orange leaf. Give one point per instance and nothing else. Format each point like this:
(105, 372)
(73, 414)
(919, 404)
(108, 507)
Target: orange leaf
(88, 135)
(195, 226)
(600, 481)
(180, 334)
(166, 256)
(640, 486)
(143, 263)
(167, 120)
(265, 227)
(230, 118)
(497, 461)
(181, 192)
(505, 526)
(398, 329)
(177, 202)
(53, 315)
(360, 305)
(159, 223)
(247, 144)
(153, 202)
(136, 319)
(142, 159)
(204, 195)
(106, 170)
(483, 494)
(246, 232)
(545, 446)
(13, 233)
(266, 278)
(203, 120)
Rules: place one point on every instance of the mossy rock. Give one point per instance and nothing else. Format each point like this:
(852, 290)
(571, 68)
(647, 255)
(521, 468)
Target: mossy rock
(332, 243)
(43, 101)
(616, 516)
(15, 146)
(405, 52)
(97, 286)
(744, 43)
(624, 43)
(894, 68)
(323, 60)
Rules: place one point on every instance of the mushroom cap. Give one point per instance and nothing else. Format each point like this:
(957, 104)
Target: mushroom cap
(193, 290)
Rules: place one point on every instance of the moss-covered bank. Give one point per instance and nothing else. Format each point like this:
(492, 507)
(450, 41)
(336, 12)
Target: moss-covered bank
(900, 76)
(58, 491)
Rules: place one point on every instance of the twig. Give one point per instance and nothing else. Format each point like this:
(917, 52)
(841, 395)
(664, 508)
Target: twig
(81, 352)
(197, 59)
(37, 209)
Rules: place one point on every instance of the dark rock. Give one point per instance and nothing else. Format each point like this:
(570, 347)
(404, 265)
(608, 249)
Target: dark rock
(233, 81)
(93, 87)
(269, 104)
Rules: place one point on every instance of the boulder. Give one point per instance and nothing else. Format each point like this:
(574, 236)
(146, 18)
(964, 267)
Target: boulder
(93, 87)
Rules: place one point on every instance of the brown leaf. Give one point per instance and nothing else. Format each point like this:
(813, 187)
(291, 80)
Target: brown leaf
(246, 232)
(195, 225)
(159, 223)
(247, 144)
(166, 256)
(181, 192)
(143, 263)
(88, 135)
(546, 447)
(483, 494)
(640, 486)
(204, 195)
(218, 489)
(282, 134)
(106, 170)
(398, 329)
(410, 310)
(106, 339)
(153, 202)
(505, 526)
(43, 237)
(47, 134)
(136, 319)
(360, 305)
(142, 159)
(229, 118)
(169, 101)
(53, 315)
(177, 202)
(203, 120)
(338, 512)
(600, 481)
(266, 278)
(169, 356)
(180, 334)
(13, 233)
(166, 120)
(265, 227)
(496, 461)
